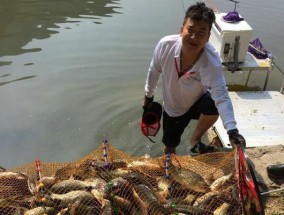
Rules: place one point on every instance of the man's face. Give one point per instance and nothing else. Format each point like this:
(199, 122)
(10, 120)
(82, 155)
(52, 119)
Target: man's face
(195, 34)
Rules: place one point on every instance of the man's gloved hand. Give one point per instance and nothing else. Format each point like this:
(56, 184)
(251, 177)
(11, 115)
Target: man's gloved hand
(236, 138)
(147, 102)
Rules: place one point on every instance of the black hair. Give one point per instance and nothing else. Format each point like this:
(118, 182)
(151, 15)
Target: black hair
(199, 11)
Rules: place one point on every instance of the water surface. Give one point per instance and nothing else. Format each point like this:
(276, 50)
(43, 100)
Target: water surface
(72, 73)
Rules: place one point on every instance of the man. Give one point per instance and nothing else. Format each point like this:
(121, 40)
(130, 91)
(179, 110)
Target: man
(193, 84)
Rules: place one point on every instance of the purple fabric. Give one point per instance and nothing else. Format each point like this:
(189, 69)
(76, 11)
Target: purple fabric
(232, 17)
(257, 49)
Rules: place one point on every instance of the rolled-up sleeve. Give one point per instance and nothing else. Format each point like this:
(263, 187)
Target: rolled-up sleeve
(224, 105)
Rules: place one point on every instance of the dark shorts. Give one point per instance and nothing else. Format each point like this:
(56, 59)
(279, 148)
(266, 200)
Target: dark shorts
(173, 127)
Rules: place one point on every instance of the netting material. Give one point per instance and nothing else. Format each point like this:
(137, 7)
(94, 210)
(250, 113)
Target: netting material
(109, 181)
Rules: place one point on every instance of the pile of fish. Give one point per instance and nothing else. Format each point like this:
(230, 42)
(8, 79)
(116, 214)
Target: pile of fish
(141, 187)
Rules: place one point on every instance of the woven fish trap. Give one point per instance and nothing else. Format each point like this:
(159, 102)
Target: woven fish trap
(109, 181)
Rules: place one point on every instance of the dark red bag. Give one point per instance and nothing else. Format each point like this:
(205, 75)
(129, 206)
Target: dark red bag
(150, 121)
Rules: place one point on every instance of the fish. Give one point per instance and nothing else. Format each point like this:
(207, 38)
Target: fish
(147, 168)
(42, 186)
(48, 182)
(78, 171)
(103, 166)
(219, 183)
(87, 169)
(177, 189)
(205, 199)
(107, 208)
(99, 187)
(112, 174)
(121, 202)
(186, 209)
(158, 209)
(136, 178)
(148, 171)
(163, 188)
(63, 200)
(115, 186)
(78, 207)
(145, 194)
(188, 179)
(84, 170)
(122, 188)
(149, 200)
(222, 209)
(40, 211)
(63, 211)
(119, 172)
(143, 164)
(107, 170)
(130, 198)
(6, 176)
(170, 189)
(187, 199)
(149, 178)
(66, 186)
(126, 206)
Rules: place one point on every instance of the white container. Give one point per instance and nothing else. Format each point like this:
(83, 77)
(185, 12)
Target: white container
(231, 37)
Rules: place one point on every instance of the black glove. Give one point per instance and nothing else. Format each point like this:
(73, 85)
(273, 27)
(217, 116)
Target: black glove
(147, 102)
(236, 138)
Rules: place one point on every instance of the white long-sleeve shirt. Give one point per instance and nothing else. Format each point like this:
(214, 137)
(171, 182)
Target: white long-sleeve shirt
(180, 94)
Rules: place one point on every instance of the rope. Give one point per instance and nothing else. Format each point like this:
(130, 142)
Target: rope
(278, 67)
(182, 5)
(150, 139)
(212, 5)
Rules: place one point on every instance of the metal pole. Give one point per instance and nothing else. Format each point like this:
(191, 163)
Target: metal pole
(273, 63)
(246, 84)
(272, 191)
(282, 88)
(266, 80)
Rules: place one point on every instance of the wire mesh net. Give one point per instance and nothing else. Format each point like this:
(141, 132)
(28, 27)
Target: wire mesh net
(109, 181)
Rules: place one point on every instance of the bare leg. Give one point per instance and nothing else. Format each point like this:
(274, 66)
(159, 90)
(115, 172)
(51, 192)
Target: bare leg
(204, 123)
